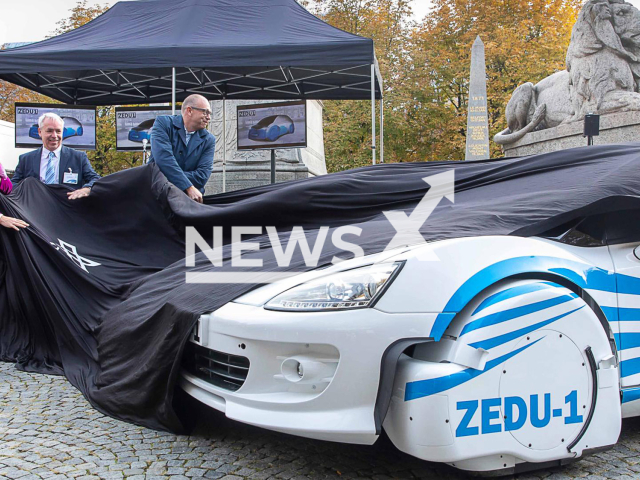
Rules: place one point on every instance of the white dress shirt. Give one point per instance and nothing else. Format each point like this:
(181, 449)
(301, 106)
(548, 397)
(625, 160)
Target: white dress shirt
(44, 160)
(188, 135)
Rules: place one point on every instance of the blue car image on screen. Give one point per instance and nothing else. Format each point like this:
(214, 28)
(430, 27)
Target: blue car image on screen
(271, 128)
(142, 131)
(72, 128)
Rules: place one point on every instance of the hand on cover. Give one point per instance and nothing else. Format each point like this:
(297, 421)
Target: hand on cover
(10, 222)
(3, 174)
(194, 194)
(80, 193)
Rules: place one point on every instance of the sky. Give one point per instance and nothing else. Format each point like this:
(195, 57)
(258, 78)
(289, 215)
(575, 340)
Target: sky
(33, 20)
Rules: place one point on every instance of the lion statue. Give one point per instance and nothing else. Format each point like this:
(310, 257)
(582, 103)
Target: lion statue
(602, 75)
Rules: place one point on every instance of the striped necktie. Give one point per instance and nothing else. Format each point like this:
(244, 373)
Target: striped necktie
(50, 174)
(188, 137)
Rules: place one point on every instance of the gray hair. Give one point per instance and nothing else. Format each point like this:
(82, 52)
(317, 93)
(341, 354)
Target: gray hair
(51, 115)
(191, 101)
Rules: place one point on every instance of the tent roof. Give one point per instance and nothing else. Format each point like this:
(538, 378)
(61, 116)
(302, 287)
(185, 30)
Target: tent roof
(244, 49)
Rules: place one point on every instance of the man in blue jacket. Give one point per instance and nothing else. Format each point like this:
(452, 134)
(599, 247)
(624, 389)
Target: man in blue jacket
(53, 163)
(183, 148)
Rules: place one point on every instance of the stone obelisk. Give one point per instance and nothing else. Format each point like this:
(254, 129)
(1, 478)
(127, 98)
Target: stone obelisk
(477, 119)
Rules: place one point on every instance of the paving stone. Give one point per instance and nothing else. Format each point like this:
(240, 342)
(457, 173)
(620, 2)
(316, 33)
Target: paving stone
(213, 475)
(49, 431)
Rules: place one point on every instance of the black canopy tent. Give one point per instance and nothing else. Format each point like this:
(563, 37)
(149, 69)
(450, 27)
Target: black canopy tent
(154, 51)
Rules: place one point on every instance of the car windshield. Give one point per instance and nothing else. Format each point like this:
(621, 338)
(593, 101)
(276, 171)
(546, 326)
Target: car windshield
(265, 121)
(146, 124)
(70, 122)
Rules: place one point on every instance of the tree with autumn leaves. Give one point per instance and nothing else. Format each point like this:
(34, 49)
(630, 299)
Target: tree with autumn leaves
(424, 65)
(105, 159)
(10, 93)
(347, 124)
(525, 41)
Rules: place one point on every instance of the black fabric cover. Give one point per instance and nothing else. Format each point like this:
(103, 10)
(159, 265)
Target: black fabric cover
(117, 330)
(231, 38)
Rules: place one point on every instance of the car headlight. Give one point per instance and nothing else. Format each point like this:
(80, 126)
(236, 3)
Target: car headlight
(357, 288)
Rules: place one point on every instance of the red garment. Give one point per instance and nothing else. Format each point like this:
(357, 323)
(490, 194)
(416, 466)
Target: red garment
(6, 186)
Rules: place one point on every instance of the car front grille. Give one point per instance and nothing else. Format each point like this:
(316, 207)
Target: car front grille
(217, 368)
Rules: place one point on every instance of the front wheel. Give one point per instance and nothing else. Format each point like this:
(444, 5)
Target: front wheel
(525, 375)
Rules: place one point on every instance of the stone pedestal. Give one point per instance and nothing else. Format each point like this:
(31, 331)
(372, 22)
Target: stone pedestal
(614, 128)
(245, 169)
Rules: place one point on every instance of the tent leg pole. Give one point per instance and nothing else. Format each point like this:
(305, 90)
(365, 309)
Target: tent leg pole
(373, 113)
(224, 145)
(381, 130)
(173, 91)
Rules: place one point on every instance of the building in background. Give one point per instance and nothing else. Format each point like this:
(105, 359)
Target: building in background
(8, 152)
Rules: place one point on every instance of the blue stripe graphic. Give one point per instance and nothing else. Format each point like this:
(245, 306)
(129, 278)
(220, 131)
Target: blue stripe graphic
(628, 314)
(582, 274)
(627, 340)
(629, 367)
(511, 293)
(513, 313)
(628, 284)
(587, 277)
(424, 388)
(507, 337)
(630, 394)
(611, 313)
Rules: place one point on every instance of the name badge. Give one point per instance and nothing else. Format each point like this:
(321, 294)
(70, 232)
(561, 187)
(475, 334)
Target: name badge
(71, 178)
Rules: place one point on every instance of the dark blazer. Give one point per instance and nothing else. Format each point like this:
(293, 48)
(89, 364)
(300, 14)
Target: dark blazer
(183, 165)
(77, 161)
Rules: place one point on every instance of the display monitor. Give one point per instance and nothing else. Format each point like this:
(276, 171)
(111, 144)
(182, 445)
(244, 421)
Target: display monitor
(134, 124)
(79, 124)
(272, 125)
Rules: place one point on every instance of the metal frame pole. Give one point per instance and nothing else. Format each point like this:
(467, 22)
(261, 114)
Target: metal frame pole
(173, 91)
(373, 113)
(381, 130)
(224, 146)
(273, 166)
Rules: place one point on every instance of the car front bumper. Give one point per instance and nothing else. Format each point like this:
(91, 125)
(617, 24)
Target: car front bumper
(341, 352)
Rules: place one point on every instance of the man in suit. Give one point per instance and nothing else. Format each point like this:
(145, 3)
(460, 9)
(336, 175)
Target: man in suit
(183, 148)
(54, 163)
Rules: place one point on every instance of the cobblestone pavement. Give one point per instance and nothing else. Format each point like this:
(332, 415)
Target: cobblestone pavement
(48, 430)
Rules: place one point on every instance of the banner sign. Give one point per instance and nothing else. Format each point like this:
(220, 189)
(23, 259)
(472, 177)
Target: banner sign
(79, 124)
(134, 124)
(272, 125)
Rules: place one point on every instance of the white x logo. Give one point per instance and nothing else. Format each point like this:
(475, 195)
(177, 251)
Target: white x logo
(408, 227)
(72, 253)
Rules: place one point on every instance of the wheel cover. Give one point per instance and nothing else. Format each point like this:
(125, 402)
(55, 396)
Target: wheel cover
(555, 376)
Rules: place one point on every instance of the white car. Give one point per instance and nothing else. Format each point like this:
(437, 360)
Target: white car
(493, 354)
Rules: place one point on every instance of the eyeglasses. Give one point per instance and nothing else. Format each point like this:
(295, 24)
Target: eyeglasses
(207, 113)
